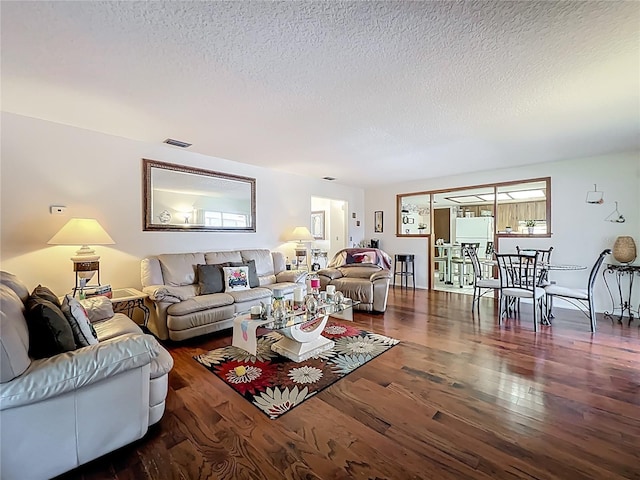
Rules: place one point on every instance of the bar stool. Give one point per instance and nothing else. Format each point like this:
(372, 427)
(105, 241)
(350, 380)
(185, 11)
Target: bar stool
(404, 261)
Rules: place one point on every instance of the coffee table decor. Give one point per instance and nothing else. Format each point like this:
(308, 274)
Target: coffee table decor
(276, 384)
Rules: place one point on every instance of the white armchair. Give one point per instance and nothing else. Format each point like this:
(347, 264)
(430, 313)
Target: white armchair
(60, 412)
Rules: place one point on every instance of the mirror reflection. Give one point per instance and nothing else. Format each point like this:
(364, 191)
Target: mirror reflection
(192, 199)
(414, 214)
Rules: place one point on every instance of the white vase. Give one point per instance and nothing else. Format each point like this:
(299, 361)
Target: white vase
(530, 230)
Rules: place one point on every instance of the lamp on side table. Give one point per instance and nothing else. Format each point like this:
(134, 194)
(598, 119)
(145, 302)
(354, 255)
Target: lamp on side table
(83, 231)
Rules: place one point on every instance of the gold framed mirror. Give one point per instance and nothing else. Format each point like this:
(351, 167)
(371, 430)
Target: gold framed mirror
(188, 199)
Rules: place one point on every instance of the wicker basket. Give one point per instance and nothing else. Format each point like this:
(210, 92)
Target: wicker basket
(624, 249)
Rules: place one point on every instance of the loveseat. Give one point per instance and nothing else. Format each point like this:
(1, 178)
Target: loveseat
(59, 412)
(362, 274)
(191, 300)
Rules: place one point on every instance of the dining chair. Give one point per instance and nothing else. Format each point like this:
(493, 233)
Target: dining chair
(518, 274)
(544, 258)
(480, 283)
(583, 299)
(463, 260)
(440, 260)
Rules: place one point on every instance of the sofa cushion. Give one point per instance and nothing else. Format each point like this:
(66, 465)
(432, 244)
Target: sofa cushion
(83, 332)
(14, 336)
(180, 268)
(236, 278)
(263, 261)
(46, 294)
(254, 281)
(211, 278)
(11, 281)
(49, 330)
(200, 303)
(222, 257)
(251, 295)
(359, 271)
(115, 326)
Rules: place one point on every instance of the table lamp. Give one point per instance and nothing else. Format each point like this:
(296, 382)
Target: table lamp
(83, 231)
(300, 235)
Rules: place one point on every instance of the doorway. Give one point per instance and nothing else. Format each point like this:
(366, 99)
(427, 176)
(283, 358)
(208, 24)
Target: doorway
(335, 232)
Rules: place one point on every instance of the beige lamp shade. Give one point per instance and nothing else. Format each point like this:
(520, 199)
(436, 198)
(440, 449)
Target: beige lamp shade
(84, 232)
(300, 234)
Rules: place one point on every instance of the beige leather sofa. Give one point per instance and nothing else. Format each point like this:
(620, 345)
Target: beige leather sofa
(362, 274)
(183, 312)
(60, 412)
(368, 284)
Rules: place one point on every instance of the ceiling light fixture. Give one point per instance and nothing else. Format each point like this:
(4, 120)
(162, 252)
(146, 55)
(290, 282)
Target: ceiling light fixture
(177, 143)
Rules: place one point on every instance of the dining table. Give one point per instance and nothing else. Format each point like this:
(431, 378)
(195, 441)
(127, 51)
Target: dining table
(548, 267)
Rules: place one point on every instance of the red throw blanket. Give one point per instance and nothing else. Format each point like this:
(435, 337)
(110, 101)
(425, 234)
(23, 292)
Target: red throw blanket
(359, 256)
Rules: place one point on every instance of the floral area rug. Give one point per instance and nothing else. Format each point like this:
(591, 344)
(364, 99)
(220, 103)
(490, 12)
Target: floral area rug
(276, 384)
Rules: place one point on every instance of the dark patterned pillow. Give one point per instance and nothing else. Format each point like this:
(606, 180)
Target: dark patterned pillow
(49, 330)
(46, 294)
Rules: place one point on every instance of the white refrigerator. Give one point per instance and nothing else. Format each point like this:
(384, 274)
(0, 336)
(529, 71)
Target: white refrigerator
(475, 230)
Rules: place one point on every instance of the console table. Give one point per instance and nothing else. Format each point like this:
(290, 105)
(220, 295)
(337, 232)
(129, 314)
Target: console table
(625, 295)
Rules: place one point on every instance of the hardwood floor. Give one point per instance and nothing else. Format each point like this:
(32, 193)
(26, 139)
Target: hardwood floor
(460, 397)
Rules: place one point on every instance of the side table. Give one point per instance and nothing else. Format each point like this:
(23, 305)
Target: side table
(125, 300)
(624, 297)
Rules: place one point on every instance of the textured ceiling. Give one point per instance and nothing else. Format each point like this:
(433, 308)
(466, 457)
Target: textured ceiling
(368, 92)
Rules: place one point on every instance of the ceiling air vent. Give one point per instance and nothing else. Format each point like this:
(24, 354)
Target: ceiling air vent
(329, 178)
(176, 143)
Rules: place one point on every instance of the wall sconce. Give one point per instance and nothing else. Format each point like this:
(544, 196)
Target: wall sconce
(83, 231)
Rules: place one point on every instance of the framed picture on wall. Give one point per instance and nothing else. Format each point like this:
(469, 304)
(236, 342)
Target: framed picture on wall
(377, 221)
(317, 225)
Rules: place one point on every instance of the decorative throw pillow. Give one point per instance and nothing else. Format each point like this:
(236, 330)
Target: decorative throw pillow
(83, 332)
(236, 278)
(49, 330)
(46, 294)
(254, 281)
(97, 308)
(211, 278)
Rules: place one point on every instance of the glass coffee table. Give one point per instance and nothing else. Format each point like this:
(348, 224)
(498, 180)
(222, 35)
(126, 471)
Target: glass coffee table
(301, 331)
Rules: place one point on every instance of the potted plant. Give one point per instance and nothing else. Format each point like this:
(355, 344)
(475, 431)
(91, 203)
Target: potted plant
(507, 229)
(530, 224)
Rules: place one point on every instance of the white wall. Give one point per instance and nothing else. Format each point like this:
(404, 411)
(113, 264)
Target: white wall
(579, 232)
(100, 176)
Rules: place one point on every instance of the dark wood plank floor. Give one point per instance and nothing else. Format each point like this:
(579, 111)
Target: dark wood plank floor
(460, 397)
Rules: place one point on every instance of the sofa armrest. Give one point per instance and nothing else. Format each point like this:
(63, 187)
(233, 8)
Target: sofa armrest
(69, 371)
(330, 273)
(380, 275)
(170, 294)
(293, 276)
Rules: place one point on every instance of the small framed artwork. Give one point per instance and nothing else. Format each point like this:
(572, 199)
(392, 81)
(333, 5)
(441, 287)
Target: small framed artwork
(377, 221)
(317, 225)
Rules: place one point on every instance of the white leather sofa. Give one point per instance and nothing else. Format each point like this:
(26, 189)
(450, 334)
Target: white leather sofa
(60, 412)
(182, 312)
